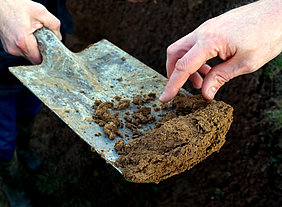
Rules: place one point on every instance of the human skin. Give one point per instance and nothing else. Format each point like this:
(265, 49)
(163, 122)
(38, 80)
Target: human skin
(245, 39)
(19, 19)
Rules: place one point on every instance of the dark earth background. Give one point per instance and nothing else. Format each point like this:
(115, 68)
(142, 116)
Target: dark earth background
(246, 172)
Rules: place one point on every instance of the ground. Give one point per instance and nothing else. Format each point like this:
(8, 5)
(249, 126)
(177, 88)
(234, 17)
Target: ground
(247, 171)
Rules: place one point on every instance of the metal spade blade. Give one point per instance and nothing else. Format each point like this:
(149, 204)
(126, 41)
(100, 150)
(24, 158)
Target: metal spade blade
(68, 83)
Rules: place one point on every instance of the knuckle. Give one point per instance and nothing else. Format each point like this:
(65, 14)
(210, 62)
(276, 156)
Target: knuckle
(180, 65)
(208, 33)
(247, 66)
(171, 50)
(176, 49)
(222, 78)
(40, 9)
(207, 24)
(20, 43)
(208, 37)
(12, 51)
(57, 23)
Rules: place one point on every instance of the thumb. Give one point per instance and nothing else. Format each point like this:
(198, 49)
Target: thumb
(32, 54)
(217, 77)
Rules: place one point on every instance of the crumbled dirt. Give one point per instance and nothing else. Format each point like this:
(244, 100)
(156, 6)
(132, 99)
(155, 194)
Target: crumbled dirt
(111, 129)
(120, 79)
(178, 144)
(122, 104)
(145, 98)
(137, 99)
(117, 98)
(144, 115)
(245, 172)
(105, 119)
(110, 122)
(191, 130)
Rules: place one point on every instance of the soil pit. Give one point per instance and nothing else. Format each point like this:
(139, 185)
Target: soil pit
(190, 131)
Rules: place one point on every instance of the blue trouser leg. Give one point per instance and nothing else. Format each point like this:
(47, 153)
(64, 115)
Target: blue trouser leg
(24, 106)
(8, 128)
(27, 105)
(14, 103)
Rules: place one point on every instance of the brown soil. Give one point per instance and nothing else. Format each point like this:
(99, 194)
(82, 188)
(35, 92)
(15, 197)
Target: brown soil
(110, 122)
(105, 119)
(190, 130)
(247, 171)
(178, 144)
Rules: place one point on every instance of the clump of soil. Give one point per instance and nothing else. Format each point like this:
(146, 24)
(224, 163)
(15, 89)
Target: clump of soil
(105, 119)
(191, 129)
(179, 142)
(122, 104)
(111, 122)
(144, 115)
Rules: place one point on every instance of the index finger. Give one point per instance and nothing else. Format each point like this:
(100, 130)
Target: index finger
(50, 21)
(176, 51)
(32, 54)
(187, 65)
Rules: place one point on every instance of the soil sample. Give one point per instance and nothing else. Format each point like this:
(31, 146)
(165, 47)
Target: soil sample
(105, 119)
(111, 123)
(180, 142)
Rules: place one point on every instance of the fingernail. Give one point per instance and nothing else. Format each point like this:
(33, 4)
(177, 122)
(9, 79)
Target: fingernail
(162, 97)
(58, 34)
(211, 92)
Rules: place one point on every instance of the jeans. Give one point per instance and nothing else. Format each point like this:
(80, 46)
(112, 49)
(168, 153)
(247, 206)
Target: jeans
(16, 101)
(23, 105)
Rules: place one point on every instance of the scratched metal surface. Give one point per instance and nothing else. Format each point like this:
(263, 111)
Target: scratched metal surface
(68, 83)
